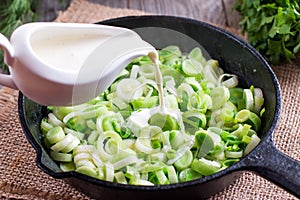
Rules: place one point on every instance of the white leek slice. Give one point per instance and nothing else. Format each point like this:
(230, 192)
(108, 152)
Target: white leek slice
(205, 167)
(233, 154)
(109, 172)
(171, 102)
(138, 120)
(84, 148)
(87, 171)
(231, 82)
(219, 96)
(55, 135)
(71, 146)
(67, 166)
(184, 87)
(180, 152)
(176, 139)
(196, 54)
(53, 120)
(210, 73)
(87, 113)
(172, 176)
(194, 83)
(124, 162)
(129, 89)
(45, 126)
(184, 161)
(249, 101)
(255, 140)
(61, 157)
(142, 182)
(96, 159)
(170, 52)
(258, 100)
(81, 156)
(77, 134)
(148, 71)
(102, 140)
(191, 67)
(120, 177)
(144, 145)
(150, 132)
(162, 179)
(119, 103)
(63, 143)
(128, 143)
(83, 162)
(93, 137)
(214, 136)
(242, 115)
(99, 124)
(170, 84)
(134, 71)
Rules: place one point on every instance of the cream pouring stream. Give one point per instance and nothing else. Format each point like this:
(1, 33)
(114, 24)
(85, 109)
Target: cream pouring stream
(68, 63)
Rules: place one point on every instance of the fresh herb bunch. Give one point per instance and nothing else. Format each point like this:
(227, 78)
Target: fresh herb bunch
(14, 13)
(273, 27)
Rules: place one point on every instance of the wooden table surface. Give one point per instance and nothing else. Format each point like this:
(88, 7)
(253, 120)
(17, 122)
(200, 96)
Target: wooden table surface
(213, 11)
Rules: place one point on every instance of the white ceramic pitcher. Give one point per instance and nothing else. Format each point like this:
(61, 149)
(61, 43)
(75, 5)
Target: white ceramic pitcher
(67, 63)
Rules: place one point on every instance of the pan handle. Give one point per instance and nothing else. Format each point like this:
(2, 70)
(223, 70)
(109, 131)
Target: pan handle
(268, 162)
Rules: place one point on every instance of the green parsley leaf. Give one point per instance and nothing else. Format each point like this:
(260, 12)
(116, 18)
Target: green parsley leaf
(273, 27)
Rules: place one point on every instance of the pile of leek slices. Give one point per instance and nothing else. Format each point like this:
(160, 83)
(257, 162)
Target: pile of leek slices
(125, 135)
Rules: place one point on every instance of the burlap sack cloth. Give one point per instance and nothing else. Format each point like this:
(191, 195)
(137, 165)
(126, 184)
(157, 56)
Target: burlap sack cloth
(20, 178)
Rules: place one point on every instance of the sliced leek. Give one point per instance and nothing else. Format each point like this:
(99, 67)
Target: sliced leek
(130, 134)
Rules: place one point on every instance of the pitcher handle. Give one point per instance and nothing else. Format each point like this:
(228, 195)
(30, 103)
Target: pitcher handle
(5, 79)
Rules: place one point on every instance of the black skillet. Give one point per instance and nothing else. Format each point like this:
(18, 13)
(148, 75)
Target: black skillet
(235, 56)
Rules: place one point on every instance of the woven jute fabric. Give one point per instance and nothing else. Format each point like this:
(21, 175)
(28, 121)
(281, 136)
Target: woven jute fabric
(20, 178)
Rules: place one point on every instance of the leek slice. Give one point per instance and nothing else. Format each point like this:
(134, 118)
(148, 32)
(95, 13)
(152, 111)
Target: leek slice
(205, 167)
(147, 70)
(204, 143)
(236, 97)
(170, 52)
(229, 83)
(242, 115)
(67, 166)
(255, 140)
(165, 121)
(55, 135)
(191, 67)
(184, 161)
(120, 177)
(254, 120)
(63, 143)
(61, 157)
(161, 177)
(87, 171)
(143, 102)
(248, 98)
(45, 126)
(188, 174)
(172, 176)
(219, 95)
(258, 100)
(54, 121)
(141, 182)
(129, 89)
(197, 55)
